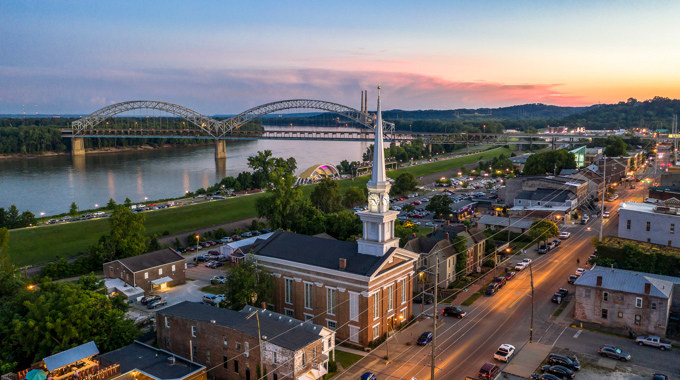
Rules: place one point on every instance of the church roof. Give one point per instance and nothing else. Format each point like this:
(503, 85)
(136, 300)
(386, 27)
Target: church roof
(320, 252)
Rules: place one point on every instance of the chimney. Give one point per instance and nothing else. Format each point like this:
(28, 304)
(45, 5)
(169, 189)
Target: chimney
(648, 288)
(361, 105)
(343, 264)
(599, 281)
(447, 236)
(171, 360)
(264, 306)
(366, 101)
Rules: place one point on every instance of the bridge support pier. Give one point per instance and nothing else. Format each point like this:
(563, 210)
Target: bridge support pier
(221, 150)
(77, 146)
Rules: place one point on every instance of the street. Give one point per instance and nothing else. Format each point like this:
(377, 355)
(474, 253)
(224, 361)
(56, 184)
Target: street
(463, 346)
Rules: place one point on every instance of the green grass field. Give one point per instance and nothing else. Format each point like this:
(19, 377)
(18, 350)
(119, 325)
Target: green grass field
(35, 245)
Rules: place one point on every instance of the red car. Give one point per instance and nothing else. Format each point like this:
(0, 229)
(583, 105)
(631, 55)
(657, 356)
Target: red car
(235, 238)
(417, 203)
(509, 276)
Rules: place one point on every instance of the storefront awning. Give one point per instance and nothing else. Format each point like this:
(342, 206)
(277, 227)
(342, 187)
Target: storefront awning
(161, 280)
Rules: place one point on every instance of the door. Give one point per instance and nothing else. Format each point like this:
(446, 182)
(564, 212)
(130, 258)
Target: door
(353, 334)
(247, 373)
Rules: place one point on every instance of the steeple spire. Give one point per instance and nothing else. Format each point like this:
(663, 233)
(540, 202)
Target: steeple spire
(378, 176)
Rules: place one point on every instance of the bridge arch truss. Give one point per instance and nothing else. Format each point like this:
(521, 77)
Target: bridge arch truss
(206, 124)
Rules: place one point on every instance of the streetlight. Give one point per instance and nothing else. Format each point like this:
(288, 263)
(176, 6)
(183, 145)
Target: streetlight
(96, 206)
(196, 257)
(42, 214)
(259, 336)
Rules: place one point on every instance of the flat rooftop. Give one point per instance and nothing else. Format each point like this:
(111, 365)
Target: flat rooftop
(151, 361)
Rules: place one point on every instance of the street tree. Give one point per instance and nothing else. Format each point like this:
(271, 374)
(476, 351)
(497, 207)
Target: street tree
(542, 230)
(73, 210)
(405, 183)
(111, 204)
(616, 147)
(440, 205)
(326, 196)
(343, 225)
(248, 284)
(354, 196)
(550, 162)
(127, 233)
(283, 203)
(408, 207)
(262, 164)
(127, 203)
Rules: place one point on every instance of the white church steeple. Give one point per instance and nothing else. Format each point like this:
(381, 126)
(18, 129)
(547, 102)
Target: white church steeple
(378, 236)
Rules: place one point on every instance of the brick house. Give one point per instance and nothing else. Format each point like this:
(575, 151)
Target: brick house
(225, 341)
(428, 251)
(150, 271)
(475, 243)
(626, 299)
(360, 296)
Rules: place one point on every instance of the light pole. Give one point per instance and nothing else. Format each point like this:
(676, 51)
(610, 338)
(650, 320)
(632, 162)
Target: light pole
(196, 257)
(259, 337)
(42, 216)
(604, 193)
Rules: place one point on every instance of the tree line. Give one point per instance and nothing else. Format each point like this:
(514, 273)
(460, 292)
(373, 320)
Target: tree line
(11, 218)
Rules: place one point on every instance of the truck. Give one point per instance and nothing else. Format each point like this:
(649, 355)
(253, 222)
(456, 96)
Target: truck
(653, 341)
(504, 353)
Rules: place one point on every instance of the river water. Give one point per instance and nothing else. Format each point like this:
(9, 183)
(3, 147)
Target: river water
(49, 184)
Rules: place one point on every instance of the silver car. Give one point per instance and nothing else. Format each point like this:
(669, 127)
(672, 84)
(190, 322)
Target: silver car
(614, 353)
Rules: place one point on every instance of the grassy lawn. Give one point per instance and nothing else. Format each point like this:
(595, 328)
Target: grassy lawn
(35, 245)
(344, 358)
(213, 289)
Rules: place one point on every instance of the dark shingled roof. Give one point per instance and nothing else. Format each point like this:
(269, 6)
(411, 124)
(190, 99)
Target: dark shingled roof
(151, 259)
(286, 332)
(147, 359)
(320, 252)
(547, 195)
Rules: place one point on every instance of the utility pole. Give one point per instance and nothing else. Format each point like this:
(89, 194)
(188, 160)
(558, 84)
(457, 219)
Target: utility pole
(531, 331)
(604, 193)
(435, 315)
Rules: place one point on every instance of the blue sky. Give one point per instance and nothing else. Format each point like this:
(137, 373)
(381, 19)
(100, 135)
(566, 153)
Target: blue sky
(227, 56)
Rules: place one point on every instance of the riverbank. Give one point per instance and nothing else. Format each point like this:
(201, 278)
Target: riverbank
(112, 149)
(30, 246)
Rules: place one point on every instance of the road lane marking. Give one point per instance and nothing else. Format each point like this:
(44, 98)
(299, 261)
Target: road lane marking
(544, 334)
(577, 333)
(558, 338)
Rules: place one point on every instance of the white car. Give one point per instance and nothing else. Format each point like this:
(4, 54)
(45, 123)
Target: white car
(504, 353)
(526, 261)
(580, 271)
(396, 208)
(565, 235)
(431, 224)
(520, 266)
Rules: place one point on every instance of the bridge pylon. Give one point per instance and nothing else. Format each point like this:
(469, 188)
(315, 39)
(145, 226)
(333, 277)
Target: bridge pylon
(77, 146)
(221, 150)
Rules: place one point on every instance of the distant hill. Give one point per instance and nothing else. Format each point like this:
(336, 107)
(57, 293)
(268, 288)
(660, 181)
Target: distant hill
(654, 113)
(525, 111)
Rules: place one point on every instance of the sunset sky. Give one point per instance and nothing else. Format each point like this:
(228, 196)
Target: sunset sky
(222, 57)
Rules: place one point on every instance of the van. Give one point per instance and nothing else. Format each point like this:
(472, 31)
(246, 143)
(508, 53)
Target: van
(585, 219)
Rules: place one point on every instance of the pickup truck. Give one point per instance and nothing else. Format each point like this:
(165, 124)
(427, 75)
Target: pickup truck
(504, 353)
(653, 341)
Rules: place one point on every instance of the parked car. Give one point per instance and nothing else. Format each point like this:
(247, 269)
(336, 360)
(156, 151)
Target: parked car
(526, 261)
(213, 264)
(213, 253)
(559, 371)
(419, 299)
(520, 266)
(488, 371)
(579, 272)
(572, 279)
(659, 376)
(368, 376)
(543, 249)
(564, 361)
(453, 311)
(551, 245)
(608, 351)
(557, 298)
(256, 233)
(150, 298)
(200, 258)
(565, 235)
(247, 234)
(156, 304)
(557, 242)
(424, 339)
(266, 230)
(226, 239)
(500, 281)
(653, 341)
(544, 376)
(218, 280)
(504, 353)
(509, 276)
(492, 289)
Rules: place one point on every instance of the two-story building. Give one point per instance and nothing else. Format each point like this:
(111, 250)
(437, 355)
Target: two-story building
(626, 299)
(430, 250)
(651, 223)
(226, 341)
(150, 271)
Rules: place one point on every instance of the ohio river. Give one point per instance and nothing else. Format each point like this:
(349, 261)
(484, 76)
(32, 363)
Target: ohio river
(50, 184)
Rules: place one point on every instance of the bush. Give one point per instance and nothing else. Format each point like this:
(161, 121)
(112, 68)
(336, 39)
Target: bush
(332, 366)
(166, 233)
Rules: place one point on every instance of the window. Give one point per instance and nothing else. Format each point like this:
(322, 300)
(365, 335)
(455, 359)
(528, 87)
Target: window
(669, 243)
(246, 351)
(146, 275)
(238, 346)
(638, 302)
(376, 331)
(605, 296)
(390, 297)
(587, 295)
(628, 224)
(173, 267)
(637, 319)
(649, 240)
(604, 313)
(304, 358)
(167, 322)
(160, 271)
(649, 225)
(194, 352)
(111, 269)
(308, 296)
(308, 317)
(274, 357)
(207, 356)
(289, 313)
(167, 342)
(331, 325)
(519, 201)
(620, 314)
(276, 377)
(225, 362)
(193, 331)
(314, 352)
(376, 305)
(653, 305)
(289, 290)
(236, 366)
(330, 301)
(353, 306)
(672, 228)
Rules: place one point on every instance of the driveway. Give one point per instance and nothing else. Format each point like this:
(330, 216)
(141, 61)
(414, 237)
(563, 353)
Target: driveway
(189, 291)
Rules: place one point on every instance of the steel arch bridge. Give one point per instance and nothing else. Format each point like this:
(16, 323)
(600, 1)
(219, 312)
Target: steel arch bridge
(206, 124)
(218, 129)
